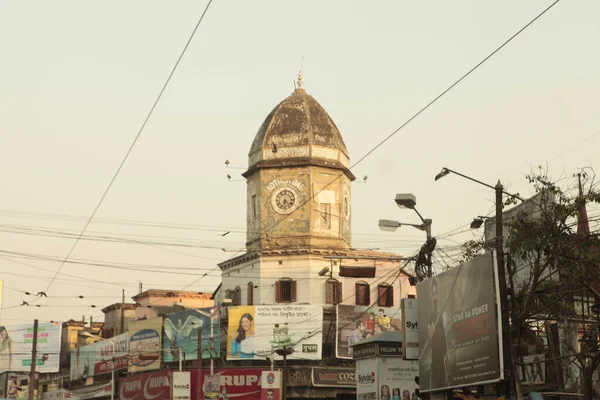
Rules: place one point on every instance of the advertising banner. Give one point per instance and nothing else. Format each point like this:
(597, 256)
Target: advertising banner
(17, 387)
(181, 386)
(270, 385)
(211, 387)
(410, 334)
(100, 357)
(355, 323)
(181, 332)
(397, 378)
(145, 344)
(333, 377)
(16, 346)
(255, 331)
(459, 335)
(151, 385)
(239, 383)
(366, 379)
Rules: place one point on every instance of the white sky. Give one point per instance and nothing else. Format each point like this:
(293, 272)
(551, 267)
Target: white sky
(78, 78)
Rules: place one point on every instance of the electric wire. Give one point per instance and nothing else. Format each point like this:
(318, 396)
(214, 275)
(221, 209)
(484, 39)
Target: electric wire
(135, 140)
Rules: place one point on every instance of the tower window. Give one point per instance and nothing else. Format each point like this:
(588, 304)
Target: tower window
(363, 293)
(236, 296)
(385, 295)
(250, 298)
(285, 290)
(333, 291)
(254, 211)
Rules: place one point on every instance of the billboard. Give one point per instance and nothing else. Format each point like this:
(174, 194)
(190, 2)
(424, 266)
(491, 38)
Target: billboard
(181, 332)
(255, 331)
(397, 378)
(100, 357)
(356, 323)
(16, 346)
(410, 334)
(459, 335)
(270, 385)
(145, 344)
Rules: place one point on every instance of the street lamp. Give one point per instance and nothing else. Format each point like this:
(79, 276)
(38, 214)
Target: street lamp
(477, 222)
(408, 200)
(499, 189)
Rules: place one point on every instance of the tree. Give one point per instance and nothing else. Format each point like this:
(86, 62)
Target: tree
(553, 269)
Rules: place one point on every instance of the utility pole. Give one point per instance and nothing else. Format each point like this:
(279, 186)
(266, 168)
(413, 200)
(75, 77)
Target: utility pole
(199, 365)
(212, 342)
(123, 312)
(509, 368)
(32, 380)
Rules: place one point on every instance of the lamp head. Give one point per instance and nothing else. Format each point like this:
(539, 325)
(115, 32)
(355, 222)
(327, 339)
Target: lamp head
(324, 271)
(445, 171)
(389, 225)
(477, 222)
(406, 200)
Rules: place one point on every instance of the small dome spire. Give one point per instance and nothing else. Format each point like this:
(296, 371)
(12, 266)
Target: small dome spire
(300, 80)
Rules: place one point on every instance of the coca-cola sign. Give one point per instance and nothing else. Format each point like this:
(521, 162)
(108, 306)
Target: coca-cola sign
(152, 385)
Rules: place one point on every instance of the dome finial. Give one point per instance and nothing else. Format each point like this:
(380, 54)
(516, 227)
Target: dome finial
(300, 74)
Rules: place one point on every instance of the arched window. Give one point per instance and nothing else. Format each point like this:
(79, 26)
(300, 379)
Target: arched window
(385, 295)
(238, 296)
(250, 294)
(285, 290)
(333, 291)
(363, 293)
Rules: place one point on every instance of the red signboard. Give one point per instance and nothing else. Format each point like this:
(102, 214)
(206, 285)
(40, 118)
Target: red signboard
(237, 383)
(241, 384)
(149, 386)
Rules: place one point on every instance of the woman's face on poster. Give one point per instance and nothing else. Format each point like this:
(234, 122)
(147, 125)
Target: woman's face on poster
(246, 324)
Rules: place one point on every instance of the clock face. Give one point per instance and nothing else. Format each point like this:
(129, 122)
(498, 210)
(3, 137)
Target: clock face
(284, 200)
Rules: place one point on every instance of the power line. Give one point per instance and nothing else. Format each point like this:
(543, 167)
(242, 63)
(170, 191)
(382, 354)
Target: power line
(423, 109)
(132, 145)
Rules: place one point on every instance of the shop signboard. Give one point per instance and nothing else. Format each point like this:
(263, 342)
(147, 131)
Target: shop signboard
(333, 377)
(410, 333)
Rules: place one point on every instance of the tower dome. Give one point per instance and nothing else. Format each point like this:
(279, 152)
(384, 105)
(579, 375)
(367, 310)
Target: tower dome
(298, 131)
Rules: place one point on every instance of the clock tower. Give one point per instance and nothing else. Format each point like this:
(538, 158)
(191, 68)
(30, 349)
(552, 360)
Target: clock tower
(298, 180)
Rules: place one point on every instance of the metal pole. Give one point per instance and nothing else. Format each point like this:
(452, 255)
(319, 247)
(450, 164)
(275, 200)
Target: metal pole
(199, 365)
(123, 312)
(506, 341)
(284, 386)
(212, 342)
(180, 360)
(33, 361)
(112, 383)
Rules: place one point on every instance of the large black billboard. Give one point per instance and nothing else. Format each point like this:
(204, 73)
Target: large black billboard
(459, 326)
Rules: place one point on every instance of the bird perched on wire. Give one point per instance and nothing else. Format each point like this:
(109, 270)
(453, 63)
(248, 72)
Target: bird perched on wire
(226, 233)
(42, 294)
(25, 303)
